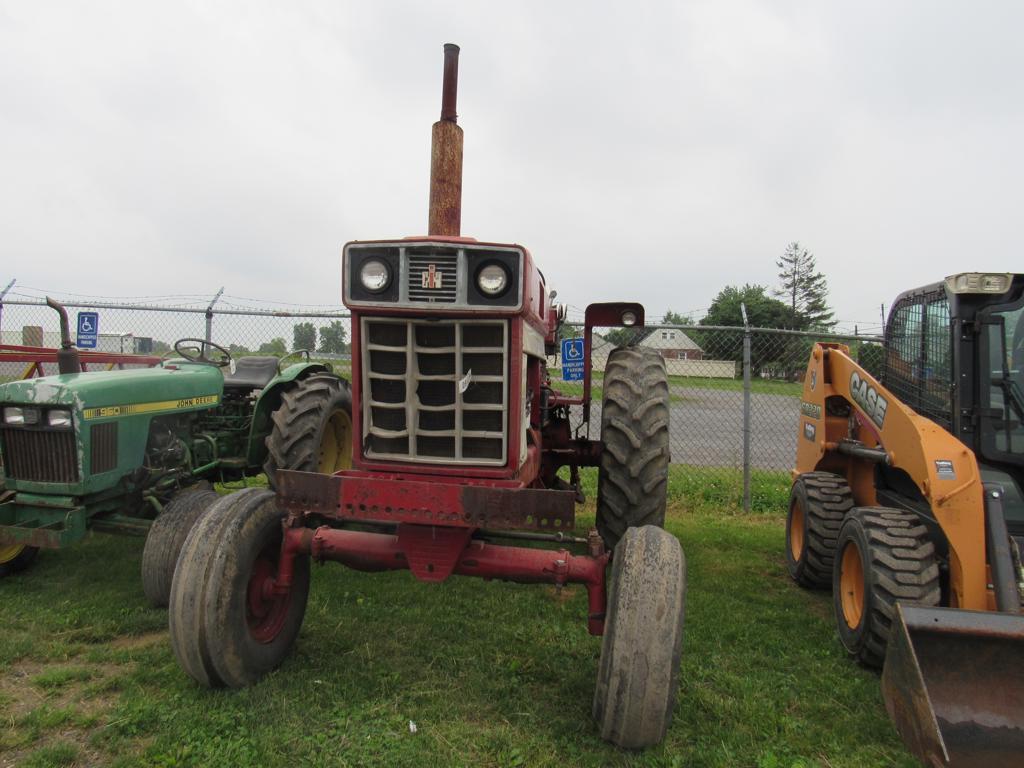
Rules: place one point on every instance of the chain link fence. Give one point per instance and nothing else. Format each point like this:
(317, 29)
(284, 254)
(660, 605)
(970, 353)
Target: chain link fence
(153, 329)
(735, 402)
(735, 392)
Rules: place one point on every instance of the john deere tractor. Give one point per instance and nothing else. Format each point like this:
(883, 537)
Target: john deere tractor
(135, 451)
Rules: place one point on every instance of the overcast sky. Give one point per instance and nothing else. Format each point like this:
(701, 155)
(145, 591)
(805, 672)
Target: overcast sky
(644, 151)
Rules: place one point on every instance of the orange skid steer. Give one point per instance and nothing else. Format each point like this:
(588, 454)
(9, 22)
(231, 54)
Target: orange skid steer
(907, 503)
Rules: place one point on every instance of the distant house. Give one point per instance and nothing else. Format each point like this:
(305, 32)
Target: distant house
(673, 344)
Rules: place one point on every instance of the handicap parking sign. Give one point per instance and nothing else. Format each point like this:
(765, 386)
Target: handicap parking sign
(572, 359)
(88, 329)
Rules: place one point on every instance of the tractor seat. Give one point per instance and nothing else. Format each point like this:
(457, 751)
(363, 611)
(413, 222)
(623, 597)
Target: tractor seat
(251, 373)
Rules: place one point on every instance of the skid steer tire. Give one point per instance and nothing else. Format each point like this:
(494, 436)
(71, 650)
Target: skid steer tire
(818, 503)
(882, 555)
(638, 676)
(166, 536)
(312, 429)
(633, 476)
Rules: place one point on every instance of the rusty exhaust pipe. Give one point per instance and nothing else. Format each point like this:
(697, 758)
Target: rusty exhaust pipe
(446, 156)
(68, 360)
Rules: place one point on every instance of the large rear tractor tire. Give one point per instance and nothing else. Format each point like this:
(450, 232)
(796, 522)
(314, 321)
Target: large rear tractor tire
(633, 477)
(312, 429)
(638, 675)
(882, 555)
(228, 628)
(818, 503)
(166, 536)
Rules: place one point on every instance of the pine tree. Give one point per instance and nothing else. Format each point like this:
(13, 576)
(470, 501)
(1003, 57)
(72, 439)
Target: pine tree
(804, 288)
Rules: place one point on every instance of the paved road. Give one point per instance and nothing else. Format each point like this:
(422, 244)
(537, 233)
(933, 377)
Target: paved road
(706, 428)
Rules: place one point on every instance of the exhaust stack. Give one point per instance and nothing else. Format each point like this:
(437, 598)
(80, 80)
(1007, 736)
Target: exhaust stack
(68, 360)
(446, 156)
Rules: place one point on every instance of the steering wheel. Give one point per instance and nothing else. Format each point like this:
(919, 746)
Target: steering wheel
(197, 354)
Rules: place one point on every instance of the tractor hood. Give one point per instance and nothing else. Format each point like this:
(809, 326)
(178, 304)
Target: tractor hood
(117, 393)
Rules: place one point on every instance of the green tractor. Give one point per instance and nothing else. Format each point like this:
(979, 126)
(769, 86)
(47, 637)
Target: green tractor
(135, 451)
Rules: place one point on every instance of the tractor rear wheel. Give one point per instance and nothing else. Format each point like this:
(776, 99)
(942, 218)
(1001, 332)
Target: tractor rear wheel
(638, 675)
(16, 557)
(882, 555)
(818, 503)
(633, 475)
(166, 536)
(228, 626)
(312, 429)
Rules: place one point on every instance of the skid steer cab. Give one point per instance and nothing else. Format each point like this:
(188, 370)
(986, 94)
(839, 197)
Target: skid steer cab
(458, 437)
(135, 451)
(907, 504)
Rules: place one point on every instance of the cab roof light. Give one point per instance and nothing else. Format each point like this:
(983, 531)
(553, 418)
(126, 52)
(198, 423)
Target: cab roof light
(979, 282)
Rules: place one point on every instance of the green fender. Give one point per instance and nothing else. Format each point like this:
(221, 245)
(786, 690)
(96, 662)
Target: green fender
(269, 401)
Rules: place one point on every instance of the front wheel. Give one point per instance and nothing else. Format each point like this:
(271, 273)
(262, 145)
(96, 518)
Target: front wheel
(882, 555)
(16, 557)
(165, 539)
(228, 626)
(638, 675)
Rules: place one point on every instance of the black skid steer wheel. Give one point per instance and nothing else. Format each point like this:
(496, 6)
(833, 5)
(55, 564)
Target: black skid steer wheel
(166, 536)
(312, 429)
(643, 639)
(228, 626)
(818, 503)
(633, 475)
(882, 555)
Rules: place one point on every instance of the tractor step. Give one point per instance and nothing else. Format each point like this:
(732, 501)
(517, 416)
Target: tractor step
(44, 527)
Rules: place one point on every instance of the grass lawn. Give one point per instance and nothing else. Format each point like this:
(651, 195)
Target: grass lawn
(491, 674)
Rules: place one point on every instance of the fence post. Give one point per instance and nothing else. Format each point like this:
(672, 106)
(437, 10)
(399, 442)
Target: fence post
(209, 316)
(2, 294)
(746, 409)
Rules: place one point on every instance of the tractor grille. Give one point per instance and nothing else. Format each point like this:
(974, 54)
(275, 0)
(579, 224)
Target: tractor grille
(435, 391)
(41, 456)
(103, 447)
(445, 274)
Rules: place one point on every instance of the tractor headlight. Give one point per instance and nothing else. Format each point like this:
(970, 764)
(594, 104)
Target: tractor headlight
(629, 318)
(59, 418)
(375, 275)
(492, 279)
(21, 416)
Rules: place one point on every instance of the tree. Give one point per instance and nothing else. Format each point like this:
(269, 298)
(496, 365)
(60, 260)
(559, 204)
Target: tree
(273, 347)
(304, 335)
(762, 312)
(332, 338)
(804, 289)
(674, 318)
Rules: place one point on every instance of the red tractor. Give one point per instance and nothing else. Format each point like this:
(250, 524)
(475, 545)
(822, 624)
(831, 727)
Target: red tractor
(457, 437)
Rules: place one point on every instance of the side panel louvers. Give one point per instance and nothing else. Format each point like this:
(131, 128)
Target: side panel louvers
(104, 447)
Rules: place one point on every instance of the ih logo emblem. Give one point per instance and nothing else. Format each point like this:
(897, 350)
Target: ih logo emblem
(431, 277)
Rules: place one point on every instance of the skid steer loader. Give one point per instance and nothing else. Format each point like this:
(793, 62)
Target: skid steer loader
(907, 503)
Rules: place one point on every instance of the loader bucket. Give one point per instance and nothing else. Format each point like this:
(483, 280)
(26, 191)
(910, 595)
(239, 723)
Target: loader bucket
(954, 685)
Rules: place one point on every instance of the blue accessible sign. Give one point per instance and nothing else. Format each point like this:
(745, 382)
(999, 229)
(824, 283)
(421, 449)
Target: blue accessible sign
(88, 329)
(572, 359)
